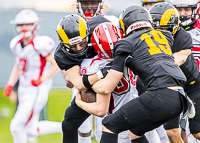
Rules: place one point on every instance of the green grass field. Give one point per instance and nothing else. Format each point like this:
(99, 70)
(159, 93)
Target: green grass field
(59, 99)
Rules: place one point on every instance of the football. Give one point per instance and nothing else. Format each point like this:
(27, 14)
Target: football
(88, 95)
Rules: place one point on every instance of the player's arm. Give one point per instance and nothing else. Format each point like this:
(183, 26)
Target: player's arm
(103, 88)
(53, 70)
(108, 84)
(14, 76)
(181, 56)
(77, 80)
(66, 78)
(98, 108)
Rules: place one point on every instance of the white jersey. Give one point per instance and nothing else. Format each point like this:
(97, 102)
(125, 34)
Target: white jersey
(113, 19)
(31, 58)
(195, 34)
(123, 92)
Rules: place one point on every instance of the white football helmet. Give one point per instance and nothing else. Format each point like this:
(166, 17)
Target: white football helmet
(186, 3)
(26, 16)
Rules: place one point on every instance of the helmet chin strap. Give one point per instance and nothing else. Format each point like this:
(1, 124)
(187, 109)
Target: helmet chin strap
(186, 22)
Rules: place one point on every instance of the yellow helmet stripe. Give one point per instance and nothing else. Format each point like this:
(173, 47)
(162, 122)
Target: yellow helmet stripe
(122, 26)
(166, 16)
(63, 35)
(82, 28)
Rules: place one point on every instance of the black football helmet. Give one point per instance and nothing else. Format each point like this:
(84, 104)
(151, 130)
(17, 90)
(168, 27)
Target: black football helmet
(134, 17)
(82, 9)
(165, 15)
(72, 29)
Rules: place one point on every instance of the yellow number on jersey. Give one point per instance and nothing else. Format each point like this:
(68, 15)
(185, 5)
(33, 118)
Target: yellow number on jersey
(158, 37)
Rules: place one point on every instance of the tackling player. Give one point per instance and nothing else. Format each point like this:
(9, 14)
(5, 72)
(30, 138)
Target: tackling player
(103, 39)
(166, 17)
(188, 11)
(71, 51)
(146, 52)
(88, 9)
(34, 68)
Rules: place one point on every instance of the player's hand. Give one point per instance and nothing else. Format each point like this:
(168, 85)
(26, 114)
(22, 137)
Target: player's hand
(104, 71)
(78, 98)
(7, 90)
(36, 82)
(69, 84)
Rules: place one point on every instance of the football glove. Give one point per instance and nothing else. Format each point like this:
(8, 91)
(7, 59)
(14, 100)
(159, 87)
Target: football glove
(7, 90)
(36, 82)
(191, 110)
(104, 71)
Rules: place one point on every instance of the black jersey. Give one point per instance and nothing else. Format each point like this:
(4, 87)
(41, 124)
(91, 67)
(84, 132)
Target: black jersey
(148, 54)
(183, 40)
(64, 61)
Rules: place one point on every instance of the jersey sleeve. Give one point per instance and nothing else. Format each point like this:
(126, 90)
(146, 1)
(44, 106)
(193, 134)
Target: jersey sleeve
(17, 39)
(62, 60)
(44, 45)
(122, 51)
(185, 41)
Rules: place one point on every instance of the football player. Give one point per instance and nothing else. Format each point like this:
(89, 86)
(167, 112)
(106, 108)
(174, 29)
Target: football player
(103, 39)
(88, 9)
(73, 48)
(188, 11)
(166, 17)
(147, 53)
(147, 4)
(34, 68)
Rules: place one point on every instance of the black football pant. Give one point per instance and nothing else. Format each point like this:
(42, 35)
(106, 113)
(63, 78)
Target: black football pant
(74, 117)
(193, 91)
(147, 112)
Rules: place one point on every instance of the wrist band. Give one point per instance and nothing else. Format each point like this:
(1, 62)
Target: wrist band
(86, 83)
(99, 74)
